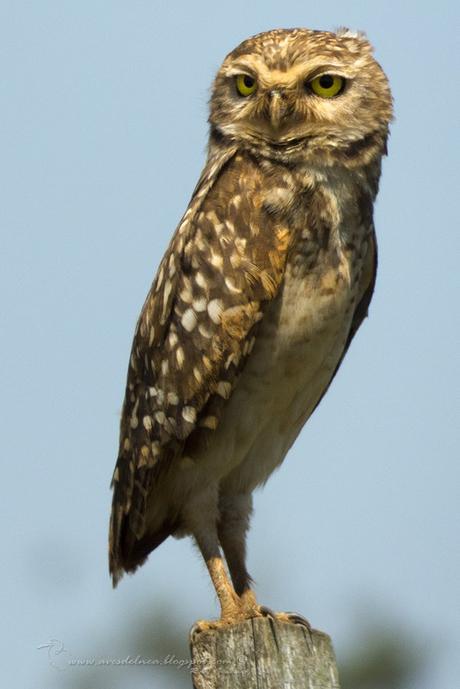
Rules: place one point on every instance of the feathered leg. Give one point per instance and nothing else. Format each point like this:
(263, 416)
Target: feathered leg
(234, 516)
(200, 516)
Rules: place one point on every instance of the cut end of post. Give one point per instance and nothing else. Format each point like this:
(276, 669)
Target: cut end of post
(263, 653)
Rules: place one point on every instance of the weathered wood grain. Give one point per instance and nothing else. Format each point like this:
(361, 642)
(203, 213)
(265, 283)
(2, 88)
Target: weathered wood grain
(263, 653)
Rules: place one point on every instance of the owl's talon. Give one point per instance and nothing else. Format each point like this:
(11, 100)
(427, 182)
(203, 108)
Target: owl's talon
(194, 631)
(295, 618)
(288, 617)
(267, 612)
(204, 626)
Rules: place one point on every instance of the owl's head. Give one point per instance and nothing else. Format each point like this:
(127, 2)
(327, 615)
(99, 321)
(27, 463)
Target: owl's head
(292, 90)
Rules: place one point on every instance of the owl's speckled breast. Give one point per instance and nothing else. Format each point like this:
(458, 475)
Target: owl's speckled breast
(299, 341)
(299, 345)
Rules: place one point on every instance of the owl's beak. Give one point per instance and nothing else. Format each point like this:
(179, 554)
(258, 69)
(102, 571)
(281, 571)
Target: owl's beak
(277, 107)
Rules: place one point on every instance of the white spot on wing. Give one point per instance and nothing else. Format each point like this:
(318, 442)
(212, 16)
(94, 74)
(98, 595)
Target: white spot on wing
(200, 280)
(160, 417)
(134, 420)
(215, 307)
(172, 398)
(209, 422)
(200, 304)
(231, 285)
(166, 293)
(217, 260)
(203, 330)
(188, 320)
(186, 295)
(172, 339)
(180, 357)
(189, 414)
(224, 389)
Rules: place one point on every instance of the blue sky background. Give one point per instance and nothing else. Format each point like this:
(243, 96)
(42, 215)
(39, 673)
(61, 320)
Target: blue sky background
(103, 130)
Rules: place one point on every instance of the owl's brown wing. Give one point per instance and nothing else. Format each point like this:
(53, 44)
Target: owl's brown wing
(369, 281)
(360, 312)
(198, 324)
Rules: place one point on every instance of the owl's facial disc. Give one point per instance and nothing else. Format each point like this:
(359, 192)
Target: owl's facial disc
(276, 105)
(301, 89)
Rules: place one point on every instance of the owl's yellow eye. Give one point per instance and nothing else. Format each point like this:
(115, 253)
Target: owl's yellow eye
(327, 85)
(245, 85)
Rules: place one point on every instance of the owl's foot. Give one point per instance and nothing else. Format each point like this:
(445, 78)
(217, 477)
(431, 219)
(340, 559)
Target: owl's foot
(248, 605)
(252, 609)
(209, 626)
(246, 613)
(236, 609)
(221, 623)
(240, 609)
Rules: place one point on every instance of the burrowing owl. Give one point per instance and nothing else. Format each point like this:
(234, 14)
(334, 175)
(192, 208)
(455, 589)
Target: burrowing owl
(265, 282)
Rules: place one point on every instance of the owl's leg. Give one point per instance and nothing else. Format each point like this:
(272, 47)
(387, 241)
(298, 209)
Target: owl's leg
(229, 602)
(200, 515)
(234, 515)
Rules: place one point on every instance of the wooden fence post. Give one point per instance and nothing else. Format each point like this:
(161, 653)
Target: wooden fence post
(263, 653)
